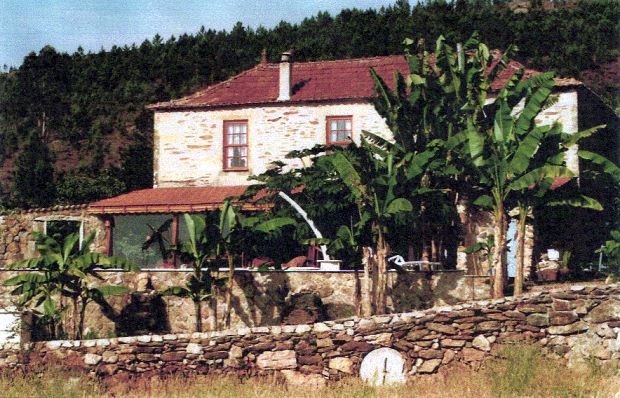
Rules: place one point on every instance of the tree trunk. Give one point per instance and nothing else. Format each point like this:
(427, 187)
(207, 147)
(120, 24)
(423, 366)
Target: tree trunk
(426, 250)
(198, 313)
(75, 319)
(382, 276)
(198, 302)
(229, 291)
(358, 292)
(521, 229)
(499, 263)
(62, 323)
(433, 248)
(367, 290)
(80, 331)
(213, 309)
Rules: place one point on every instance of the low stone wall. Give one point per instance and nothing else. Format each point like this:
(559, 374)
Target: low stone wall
(261, 298)
(577, 323)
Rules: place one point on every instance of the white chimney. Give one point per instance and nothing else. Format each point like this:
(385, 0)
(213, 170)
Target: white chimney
(286, 64)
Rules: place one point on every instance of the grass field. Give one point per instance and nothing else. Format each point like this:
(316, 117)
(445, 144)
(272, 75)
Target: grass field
(522, 372)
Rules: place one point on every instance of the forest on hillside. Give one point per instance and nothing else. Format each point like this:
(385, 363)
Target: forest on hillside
(73, 127)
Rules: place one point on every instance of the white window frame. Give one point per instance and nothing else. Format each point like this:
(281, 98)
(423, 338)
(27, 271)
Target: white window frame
(44, 221)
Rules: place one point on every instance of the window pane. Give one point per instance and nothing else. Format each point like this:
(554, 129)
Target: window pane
(131, 232)
(339, 130)
(60, 229)
(235, 151)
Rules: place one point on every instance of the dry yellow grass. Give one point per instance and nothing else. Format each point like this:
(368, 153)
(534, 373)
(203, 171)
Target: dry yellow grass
(522, 372)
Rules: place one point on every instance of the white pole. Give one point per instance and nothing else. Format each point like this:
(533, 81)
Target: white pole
(301, 211)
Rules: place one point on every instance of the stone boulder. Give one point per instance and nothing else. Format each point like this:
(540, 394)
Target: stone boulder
(277, 360)
(606, 311)
(342, 364)
(305, 381)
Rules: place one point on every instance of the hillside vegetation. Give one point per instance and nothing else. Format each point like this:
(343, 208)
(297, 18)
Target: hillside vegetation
(88, 109)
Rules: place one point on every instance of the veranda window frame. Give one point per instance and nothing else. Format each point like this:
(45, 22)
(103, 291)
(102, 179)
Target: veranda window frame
(42, 222)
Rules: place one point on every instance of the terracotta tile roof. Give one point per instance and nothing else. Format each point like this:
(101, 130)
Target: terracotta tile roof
(169, 200)
(311, 81)
(343, 80)
(52, 209)
(504, 75)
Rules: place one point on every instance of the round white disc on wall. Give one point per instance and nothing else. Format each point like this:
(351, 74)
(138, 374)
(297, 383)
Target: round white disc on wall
(384, 366)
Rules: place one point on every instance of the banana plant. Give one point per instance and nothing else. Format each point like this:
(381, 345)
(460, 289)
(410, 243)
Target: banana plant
(503, 156)
(427, 113)
(500, 156)
(611, 250)
(484, 247)
(232, 232)
(542, 194)
(65, 270)
(373, 179)
(197, 251)
(208, 241)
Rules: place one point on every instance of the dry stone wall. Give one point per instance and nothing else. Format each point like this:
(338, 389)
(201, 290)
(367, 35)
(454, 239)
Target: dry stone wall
(577, 323)
(260, 298)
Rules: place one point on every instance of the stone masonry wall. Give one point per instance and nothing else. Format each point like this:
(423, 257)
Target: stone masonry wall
(262, 298)
(16, 239)
(188, 145)
(578, 323)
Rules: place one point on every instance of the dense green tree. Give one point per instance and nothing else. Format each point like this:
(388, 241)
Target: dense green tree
(81, 188)
(34, 175)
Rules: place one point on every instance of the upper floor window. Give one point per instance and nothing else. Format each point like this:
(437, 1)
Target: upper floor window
(236, 145)
(339, 130)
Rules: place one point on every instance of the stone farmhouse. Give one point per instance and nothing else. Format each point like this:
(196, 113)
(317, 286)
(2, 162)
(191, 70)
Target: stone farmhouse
(207, 144)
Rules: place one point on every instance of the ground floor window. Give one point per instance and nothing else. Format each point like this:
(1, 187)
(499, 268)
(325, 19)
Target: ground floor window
(59, 229)
(143, 239)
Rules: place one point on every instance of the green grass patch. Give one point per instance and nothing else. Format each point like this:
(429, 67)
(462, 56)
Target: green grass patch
(518, 371)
